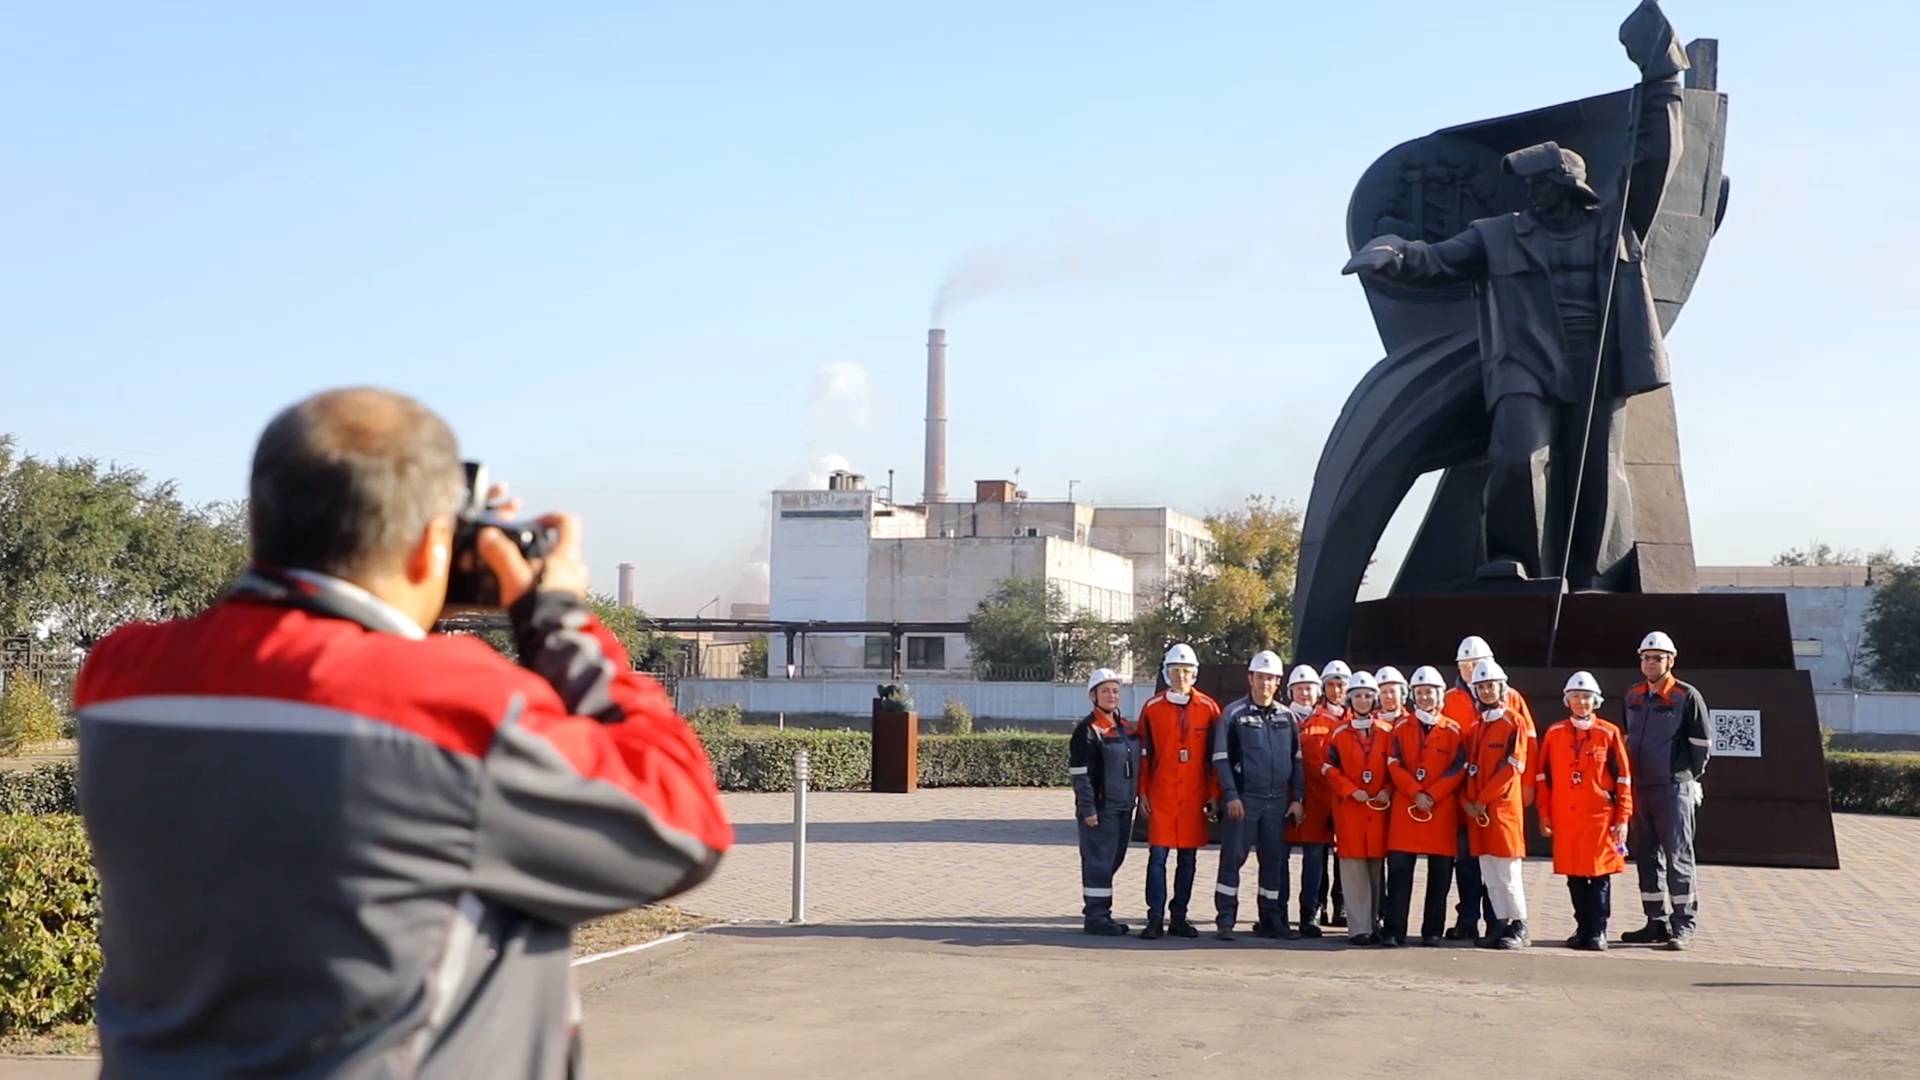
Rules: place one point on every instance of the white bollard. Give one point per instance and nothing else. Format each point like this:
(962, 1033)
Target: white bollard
(801, 769)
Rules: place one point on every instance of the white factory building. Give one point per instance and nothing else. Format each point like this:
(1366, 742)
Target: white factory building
(848, 554)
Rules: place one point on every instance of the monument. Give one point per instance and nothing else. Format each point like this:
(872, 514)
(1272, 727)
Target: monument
(1523, 274)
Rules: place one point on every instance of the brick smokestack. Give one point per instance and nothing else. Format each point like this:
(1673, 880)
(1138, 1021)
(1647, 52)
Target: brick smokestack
(936, 475)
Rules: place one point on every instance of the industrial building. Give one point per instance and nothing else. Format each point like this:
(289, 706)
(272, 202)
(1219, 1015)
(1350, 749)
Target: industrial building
(848, 554)
(1826, 612)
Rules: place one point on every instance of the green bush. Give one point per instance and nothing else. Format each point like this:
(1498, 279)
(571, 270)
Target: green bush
(1001, 759)
(718, 719)
(761, 759)
(49, 923)
(954, 720)
(27, 715)
(1874, 783)
(45, 789)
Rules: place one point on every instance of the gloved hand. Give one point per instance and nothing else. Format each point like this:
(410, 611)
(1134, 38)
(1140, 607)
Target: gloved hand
(1697, 792)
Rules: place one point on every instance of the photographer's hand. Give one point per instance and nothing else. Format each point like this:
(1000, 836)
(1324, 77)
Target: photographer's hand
(562, 570)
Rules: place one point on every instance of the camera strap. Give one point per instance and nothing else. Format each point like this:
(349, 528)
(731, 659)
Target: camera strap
(318, 594)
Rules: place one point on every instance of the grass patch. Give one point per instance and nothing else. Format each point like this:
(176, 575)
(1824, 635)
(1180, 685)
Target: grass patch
(68, 1040)
(634, 927)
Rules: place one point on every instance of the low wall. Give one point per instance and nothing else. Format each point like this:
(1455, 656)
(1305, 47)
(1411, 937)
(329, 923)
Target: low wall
(1859, 713)
(854, 697)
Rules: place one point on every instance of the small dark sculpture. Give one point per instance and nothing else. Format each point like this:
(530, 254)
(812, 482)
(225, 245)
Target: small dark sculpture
(1523, 303)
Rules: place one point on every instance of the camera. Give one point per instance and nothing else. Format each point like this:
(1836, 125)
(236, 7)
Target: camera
(471, 582)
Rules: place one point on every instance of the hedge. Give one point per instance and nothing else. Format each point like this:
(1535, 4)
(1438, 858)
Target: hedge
(1874, 783)
(44, 789)
(761, 759)
(49, 922)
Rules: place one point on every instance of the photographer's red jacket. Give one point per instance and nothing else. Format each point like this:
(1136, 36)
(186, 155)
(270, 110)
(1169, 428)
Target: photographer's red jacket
(329, 846)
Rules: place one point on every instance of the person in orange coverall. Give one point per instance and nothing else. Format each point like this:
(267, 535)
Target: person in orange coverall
(1362, 791)
(1496, 761)
(1586, 799)
(1312, 835)
(1459, 705)
(1428, 762)
(1178, 788)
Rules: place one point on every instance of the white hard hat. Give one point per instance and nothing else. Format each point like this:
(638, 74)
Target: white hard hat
(1582, 680)
(1180, 654)
(1488, 670)
(1473, 647)
(1303, 674)
(1658, 641)
(1336, 669)
(1387, 675)
(1101, 675)
(1267, 662)
(1363, 681)
(1428, 676)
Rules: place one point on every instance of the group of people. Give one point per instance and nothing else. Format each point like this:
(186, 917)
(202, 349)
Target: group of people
(1374, 771)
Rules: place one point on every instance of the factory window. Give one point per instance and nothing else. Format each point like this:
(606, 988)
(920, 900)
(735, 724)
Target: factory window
(927, 653)
(879, 652)
(1809, 647)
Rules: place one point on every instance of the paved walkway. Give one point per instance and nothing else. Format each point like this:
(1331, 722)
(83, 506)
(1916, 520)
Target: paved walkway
(1005, 858)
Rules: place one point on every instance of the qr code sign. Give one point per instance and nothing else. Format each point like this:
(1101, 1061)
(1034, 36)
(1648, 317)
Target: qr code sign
(1736, 733)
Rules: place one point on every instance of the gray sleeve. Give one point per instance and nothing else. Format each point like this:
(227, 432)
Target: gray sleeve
(1699, 739)
(1461, 258)
(1079, 761)
(597, 802)
(1222, 760)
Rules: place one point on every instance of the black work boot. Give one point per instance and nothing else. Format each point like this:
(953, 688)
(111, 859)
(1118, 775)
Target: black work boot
(1268, 927)
(1654, 933)
(1153, 930)
(1339, 916)
(1681, 939)
(1224, 933)
(1516, 937)
(1104, 928)
(1307, 929)
(1180, 927)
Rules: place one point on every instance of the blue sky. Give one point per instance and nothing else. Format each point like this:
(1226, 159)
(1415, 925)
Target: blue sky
(652, 261)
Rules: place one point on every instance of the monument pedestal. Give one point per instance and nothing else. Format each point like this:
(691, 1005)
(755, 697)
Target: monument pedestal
(1766, 788)
(896, 750)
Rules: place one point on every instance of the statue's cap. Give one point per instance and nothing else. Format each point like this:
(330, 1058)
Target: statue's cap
(1553, 161)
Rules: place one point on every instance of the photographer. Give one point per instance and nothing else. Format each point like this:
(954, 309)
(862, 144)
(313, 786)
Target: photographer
(330, 844)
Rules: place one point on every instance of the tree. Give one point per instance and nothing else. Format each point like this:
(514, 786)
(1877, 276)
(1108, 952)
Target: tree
(85, 549)
(649, 649)
(753, 658)
(1892, 644)
(1821, 553)
(1025, 630)
(1239, 604)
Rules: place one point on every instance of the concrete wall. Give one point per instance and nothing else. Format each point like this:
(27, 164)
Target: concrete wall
(817, 569)
(854, 697)
(1155, 538)
(1828, 621)
(1868, 714)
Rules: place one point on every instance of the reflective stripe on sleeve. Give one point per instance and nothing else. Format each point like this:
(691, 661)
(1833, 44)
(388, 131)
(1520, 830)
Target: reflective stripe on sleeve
(1076, 770)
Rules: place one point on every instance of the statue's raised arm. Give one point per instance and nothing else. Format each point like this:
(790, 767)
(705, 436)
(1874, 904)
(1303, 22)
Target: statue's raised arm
(1655, 49)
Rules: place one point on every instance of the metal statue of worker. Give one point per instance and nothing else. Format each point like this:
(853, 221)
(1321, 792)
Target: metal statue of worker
(1552, 347)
